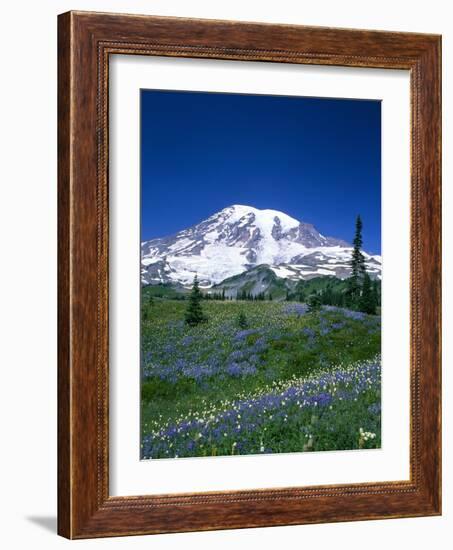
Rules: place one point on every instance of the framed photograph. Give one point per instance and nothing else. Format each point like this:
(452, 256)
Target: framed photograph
(249, 275)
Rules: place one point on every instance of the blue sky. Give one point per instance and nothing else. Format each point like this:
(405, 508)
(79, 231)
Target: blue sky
(316, 159)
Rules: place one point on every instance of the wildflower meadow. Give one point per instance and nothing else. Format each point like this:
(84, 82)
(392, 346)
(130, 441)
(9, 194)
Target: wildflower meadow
(257, 378)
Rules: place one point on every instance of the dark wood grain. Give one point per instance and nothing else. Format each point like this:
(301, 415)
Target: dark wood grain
(86, 40)
(64, 426)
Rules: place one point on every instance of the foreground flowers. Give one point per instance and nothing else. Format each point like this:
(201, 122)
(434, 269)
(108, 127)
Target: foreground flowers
(338, 408)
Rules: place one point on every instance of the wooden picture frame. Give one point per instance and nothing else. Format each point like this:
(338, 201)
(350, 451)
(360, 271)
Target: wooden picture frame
(85, 42)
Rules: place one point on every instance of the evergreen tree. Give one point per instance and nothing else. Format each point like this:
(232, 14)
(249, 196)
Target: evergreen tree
(223, 294)
(376, 292)
(357, 265)
(358, 260)
(194, 312)
(314, 303)
(327, 296)
(287, 296)
(367, 299)
(242, 320)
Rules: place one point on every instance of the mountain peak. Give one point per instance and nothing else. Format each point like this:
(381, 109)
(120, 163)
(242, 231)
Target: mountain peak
(239, 207)
(236, 239)
(266, 215)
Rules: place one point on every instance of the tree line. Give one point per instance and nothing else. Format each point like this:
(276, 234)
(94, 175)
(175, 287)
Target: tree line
(240, 295)
(359, 292)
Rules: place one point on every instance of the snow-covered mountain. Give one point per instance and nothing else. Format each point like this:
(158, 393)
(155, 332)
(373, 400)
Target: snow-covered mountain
(239, 238)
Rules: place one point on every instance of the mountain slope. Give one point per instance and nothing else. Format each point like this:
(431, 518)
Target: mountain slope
(257, 280)
(263, 280)
(238, 238)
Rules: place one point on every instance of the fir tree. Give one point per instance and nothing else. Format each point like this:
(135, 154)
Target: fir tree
(376, 292)
(194, 312)
(314, 303)
(367, 299)
(327, 296)
(242, 320)
(358, 260)
(357, 264)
